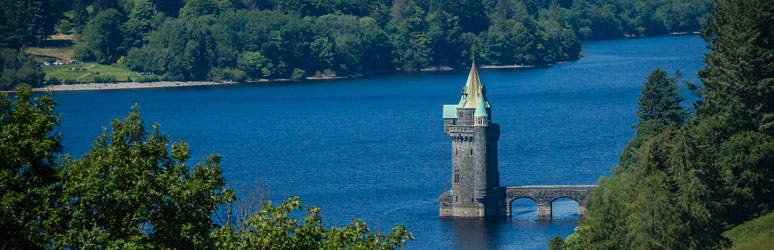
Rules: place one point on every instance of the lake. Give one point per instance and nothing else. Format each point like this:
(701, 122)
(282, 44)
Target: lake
(373, 147)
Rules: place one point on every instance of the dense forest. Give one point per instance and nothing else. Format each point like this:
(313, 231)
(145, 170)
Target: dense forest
(268, 39)
(690, 174)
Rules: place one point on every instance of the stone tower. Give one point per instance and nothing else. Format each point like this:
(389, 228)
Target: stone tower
(475, 179)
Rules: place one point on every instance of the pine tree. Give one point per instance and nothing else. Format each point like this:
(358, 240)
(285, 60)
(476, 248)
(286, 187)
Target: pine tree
(660, 99)
(659, 110)
(739, 76)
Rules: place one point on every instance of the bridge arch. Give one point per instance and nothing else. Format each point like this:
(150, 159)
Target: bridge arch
(544, 196)
(565, 208)
(517, 206)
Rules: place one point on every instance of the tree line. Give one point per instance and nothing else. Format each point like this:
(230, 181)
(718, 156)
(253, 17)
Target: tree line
(689, 174)
(267, 39)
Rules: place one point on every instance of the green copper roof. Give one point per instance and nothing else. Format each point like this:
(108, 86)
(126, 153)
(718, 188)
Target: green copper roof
(480, 108)
(462, 98)
(473, 90)
(449, 111)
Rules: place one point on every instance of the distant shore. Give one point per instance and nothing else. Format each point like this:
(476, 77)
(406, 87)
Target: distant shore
(159, 84)
(172, 84)
(126, 85)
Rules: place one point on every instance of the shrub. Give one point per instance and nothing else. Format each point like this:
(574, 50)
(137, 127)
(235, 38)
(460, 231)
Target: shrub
(104, 79)
(297, 74)
(53, 81)
(146, 79)
(227, 74)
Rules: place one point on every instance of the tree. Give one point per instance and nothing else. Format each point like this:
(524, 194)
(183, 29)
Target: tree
(28, 149)
(196, 8)
(169, 7)
(134, 190)
(138, 25)
(412, 43)
(255, 64)
(747, 159)
(659, 110)
(101, 39)
(739, 77)
(80, 15)
(273, 228)
(19, 68)
(102, 5)
(321, 53)
(556, 243)
(25, 22)
(660, 99)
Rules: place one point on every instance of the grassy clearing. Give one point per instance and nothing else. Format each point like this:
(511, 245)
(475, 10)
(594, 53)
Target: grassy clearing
(62, 72)
(757, 234)
(58, 47)
(51, 54)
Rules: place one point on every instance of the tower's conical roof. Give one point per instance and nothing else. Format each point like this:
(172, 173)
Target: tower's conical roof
(474, 91)
(481, 107)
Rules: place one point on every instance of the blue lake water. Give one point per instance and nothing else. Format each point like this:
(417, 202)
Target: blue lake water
(373, 147)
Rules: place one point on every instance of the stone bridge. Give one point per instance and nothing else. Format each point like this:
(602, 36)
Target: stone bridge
(545, 195)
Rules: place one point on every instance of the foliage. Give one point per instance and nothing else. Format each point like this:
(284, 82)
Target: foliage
(101, 38)
(26, 22)
(556, 243)
(755, 234)
(275, 228)
(660, 99)
(355, 37)
(227, 74)
(28, 148)
(139, 24)
(739, 77)
(18, 68)
(659, 110)
(132, 190)
(104, 79)
(680, 183)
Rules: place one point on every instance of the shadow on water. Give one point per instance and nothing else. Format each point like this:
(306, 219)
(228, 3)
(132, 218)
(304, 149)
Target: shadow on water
(474, 233)
(486, 233)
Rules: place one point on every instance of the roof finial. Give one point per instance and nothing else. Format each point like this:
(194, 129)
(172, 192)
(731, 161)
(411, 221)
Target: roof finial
(473, 53)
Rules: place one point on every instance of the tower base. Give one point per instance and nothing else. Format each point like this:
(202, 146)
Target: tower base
(494, 207)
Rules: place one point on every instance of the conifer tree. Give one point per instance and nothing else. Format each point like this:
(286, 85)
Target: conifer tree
(659, 110)
(739, 76)
(660, 99)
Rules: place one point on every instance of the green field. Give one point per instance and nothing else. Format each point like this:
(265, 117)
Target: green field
(753, 235)
(63, 72)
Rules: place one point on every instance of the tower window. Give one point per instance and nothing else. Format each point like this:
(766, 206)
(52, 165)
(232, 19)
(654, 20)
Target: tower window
(456, 176)
(471, 151)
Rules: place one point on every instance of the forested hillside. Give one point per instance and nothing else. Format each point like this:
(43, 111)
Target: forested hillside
(241, 39)
(692, 173)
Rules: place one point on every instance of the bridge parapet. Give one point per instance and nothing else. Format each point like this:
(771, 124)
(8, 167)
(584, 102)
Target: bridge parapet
(545, 195)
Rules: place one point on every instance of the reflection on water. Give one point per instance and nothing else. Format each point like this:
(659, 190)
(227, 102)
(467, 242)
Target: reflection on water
(473, 233)
(525, 209)
(485, 233)
(523, 227)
